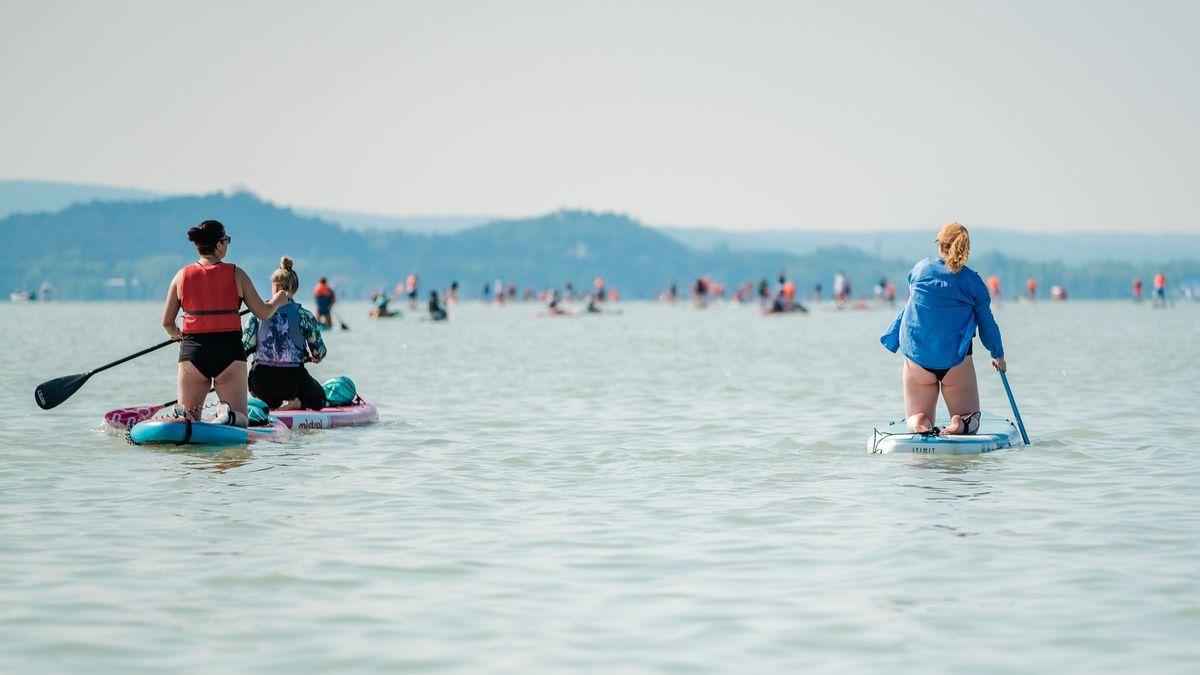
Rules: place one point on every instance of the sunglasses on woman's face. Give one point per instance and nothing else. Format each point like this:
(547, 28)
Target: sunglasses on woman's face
(227, 240)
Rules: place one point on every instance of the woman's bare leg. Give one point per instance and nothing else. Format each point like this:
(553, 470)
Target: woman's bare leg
(960, 390)
(193, 388)
(232, 387)
(920, 397)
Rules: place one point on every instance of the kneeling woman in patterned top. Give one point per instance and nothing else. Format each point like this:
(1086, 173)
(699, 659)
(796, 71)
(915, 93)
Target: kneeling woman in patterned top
(281, 345)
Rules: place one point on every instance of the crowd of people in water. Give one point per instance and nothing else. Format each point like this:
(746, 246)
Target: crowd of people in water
(947, 306)
(778, 295)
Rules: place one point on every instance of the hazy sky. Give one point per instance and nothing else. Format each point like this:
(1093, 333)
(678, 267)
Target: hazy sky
(1045, 115)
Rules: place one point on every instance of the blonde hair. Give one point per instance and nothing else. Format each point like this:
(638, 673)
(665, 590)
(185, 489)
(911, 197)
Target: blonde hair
(957, 242)
(288, 280)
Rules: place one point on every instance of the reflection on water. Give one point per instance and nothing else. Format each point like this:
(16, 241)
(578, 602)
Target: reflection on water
(223, 461)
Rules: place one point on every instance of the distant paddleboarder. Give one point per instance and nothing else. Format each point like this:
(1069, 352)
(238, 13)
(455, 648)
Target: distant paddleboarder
(410, 285)
(1160, 289)
(841, 289)
(947, 302)
(993, 285)
(436, 311)
(324, 297)
(381, 310)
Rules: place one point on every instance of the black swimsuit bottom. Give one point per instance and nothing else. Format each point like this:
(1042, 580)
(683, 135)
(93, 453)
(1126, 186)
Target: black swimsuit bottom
(212, 353)
(939, 373)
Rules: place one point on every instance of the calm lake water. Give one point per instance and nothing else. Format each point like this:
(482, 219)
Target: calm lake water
(667, 490)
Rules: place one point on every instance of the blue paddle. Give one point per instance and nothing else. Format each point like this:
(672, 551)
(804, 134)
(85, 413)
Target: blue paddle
(1016, 413)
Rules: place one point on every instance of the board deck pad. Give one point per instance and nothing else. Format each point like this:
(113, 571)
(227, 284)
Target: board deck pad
(995, 433)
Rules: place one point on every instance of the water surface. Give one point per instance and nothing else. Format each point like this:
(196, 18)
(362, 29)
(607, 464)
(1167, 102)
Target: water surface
(667, 490)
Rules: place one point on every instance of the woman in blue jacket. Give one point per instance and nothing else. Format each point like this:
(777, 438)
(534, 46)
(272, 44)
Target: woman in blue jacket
(947, 303)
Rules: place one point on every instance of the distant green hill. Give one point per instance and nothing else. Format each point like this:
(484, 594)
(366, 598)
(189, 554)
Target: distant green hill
(130, 249)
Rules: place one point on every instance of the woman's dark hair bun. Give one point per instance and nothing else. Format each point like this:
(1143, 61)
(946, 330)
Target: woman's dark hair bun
(207, 233)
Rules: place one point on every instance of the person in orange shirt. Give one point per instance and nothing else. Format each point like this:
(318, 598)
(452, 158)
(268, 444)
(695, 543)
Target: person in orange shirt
(1160, 289)
(325, 298)
(993, 284)
(1031, 286)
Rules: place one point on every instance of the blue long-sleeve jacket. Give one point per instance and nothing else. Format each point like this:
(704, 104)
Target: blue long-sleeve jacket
(938, 322)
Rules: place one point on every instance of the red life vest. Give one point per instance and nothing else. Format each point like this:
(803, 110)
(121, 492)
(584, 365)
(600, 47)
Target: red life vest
(209, 297)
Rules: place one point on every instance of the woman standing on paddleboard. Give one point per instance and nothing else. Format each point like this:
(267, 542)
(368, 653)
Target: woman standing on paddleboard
(947, 302)
(281, 345)
(209, 292)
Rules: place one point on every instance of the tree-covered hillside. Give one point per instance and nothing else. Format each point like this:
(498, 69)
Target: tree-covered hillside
(115, 250)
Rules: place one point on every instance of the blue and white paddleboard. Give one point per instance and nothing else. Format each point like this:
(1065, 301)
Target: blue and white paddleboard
(995, 433)
(175, 431)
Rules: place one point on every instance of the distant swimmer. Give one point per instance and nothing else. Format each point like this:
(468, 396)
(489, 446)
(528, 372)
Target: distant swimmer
(452, 295)
(1031, 288)
(436, 311)
(601, 293)
(993, 285)
(593, 305)
(1160, 289)
(281, 345)
(1058, 293)
(1137, 289)
(935, 330)
(209, 292)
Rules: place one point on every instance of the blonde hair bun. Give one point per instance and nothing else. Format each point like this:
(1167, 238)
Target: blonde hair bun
(957, 241)
(287, 279)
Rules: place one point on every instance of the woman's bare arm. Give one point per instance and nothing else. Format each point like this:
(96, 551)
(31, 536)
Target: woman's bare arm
(249, 294)
(171, 309)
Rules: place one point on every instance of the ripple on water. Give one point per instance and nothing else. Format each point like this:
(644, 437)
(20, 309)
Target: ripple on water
(655, 492)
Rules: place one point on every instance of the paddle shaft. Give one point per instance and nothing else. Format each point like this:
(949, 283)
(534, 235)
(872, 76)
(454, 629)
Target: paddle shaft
(53, 392)
(1013, 403)
(118, 362)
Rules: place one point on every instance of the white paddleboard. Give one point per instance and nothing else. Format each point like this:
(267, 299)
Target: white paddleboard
(995, 433)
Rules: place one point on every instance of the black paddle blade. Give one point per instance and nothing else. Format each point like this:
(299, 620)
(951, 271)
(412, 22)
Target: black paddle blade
(51, 393)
